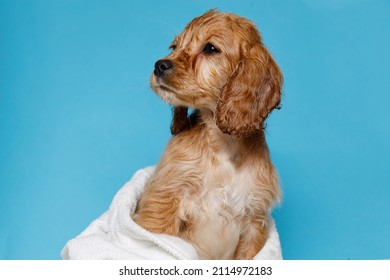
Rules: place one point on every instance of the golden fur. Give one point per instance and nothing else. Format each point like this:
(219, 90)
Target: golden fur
(215, 184)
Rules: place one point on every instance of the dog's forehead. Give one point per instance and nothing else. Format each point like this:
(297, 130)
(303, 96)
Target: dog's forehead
(221, 26)
(198, 30)
(199, 34)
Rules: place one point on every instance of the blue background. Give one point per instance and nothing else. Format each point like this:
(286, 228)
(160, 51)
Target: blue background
(77, 117)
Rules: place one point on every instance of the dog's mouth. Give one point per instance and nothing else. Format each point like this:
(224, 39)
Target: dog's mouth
(159, 86)
(166, 82)
(166, 92)
(165, 88)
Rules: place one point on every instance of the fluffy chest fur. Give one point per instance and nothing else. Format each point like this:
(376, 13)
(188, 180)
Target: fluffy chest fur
(211, 192)
(218, 209)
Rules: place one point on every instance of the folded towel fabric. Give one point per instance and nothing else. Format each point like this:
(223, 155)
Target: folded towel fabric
(115, 236)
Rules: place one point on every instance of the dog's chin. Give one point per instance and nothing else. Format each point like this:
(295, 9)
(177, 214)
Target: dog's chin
(166, 93)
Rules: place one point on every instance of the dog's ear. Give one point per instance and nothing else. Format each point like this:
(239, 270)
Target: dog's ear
(250, 94)
(180, 120)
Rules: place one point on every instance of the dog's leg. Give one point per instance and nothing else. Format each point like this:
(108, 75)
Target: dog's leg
(157, 211)
(251, 241)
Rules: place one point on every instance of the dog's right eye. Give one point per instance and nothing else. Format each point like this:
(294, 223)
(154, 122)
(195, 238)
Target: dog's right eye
(210, 49)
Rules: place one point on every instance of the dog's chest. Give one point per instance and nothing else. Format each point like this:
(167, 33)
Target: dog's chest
(220, 206)
(226, 188)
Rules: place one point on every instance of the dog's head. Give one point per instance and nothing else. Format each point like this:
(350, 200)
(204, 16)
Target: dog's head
(220, 63)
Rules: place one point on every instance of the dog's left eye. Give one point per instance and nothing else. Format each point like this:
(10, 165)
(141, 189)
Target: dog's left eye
(210, 49)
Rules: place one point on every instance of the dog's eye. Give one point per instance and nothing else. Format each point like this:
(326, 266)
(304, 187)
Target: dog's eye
(172, 47)
(210, 49)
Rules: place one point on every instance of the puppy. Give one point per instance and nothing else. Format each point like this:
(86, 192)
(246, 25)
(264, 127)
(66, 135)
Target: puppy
(215, 184)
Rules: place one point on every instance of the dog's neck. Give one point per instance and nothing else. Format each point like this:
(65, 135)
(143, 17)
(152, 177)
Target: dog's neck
(208, 117)
(240, 150)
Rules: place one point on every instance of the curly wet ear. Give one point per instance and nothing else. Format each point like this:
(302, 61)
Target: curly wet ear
(179, 120)
(182, 121)
(250, 94)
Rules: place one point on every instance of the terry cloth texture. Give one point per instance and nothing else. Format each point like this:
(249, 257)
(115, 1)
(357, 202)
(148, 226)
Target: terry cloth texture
(115, 236)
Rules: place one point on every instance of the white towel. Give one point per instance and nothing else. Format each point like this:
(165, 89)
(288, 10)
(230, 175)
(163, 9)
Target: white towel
(115, 236)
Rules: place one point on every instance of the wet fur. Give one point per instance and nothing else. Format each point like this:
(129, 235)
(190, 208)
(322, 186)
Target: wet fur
(215, 184)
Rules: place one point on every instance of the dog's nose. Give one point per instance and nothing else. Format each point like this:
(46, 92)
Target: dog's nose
(161, 66)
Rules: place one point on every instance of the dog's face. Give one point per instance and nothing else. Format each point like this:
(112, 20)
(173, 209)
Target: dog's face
(203, 57)
(219, 62)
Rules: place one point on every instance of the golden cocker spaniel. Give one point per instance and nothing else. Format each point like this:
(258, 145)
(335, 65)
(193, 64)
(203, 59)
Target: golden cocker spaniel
(215, 184)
